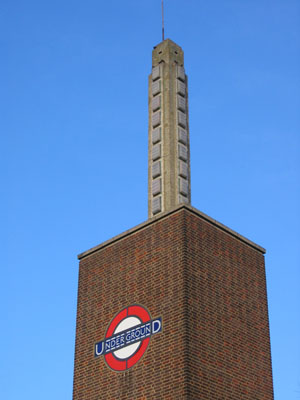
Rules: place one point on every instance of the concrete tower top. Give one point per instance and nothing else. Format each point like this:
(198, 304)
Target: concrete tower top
(168, 143)
(168, 52)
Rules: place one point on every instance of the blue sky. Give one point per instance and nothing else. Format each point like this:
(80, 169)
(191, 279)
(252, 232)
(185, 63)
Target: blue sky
(73, 165)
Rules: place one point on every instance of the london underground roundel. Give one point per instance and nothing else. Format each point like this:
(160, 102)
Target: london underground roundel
(127, 337)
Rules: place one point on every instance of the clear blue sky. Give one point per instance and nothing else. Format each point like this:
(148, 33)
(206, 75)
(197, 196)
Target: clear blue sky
(73, 125)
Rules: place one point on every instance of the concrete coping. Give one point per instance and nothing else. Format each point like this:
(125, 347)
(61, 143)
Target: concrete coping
(166, 214)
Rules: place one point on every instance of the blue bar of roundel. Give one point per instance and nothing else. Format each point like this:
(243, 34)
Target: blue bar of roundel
(151, 328)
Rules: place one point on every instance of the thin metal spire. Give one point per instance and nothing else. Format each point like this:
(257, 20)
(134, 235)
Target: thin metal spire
(163, 20)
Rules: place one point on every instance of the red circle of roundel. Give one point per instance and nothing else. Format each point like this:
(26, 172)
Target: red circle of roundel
(131, 311)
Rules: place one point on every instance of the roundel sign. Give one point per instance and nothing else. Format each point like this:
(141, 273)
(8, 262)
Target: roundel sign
(127, 337)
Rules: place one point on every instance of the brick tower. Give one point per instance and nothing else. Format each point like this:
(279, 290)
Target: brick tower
(174, 308)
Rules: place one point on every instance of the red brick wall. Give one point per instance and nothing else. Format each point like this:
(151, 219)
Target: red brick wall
(209, 288)
(228, 346)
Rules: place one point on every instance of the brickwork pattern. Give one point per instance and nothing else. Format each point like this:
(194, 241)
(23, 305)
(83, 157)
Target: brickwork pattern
(145, 268)
(209, 288)
(228, 346)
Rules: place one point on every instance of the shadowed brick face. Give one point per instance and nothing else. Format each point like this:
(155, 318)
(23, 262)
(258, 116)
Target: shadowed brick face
(207, 284)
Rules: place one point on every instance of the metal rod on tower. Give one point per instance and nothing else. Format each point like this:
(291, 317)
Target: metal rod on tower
(163, 20)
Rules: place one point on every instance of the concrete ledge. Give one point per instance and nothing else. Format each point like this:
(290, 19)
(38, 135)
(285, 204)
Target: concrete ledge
(166, 214)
